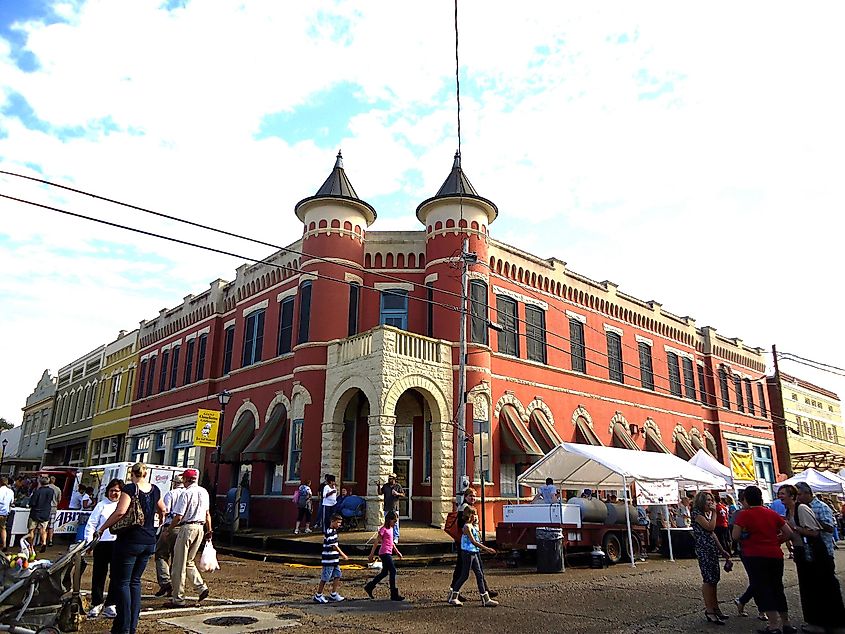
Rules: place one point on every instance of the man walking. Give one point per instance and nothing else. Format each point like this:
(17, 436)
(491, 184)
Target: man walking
(190, 516)
(393, 492)
(57, 497)
(7, 497)
(40, 504)
(823, 513)
(167, 538)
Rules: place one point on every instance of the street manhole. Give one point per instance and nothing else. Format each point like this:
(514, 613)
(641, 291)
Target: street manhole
(229, 621)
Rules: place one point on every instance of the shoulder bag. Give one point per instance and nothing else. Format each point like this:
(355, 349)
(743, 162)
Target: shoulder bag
(134, 516)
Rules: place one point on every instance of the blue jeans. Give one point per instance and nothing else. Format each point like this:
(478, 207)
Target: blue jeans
(127, 565)
(395, 527)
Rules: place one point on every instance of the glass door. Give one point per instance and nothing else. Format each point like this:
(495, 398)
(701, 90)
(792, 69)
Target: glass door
(403, 439)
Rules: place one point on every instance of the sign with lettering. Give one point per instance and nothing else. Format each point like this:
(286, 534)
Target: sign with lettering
(657, 492)
(67, 522)
(208, 422)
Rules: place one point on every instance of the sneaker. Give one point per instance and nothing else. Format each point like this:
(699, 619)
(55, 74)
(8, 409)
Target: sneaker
(296, 531)
(319, 598)
(308, 530)
(334, 596)
(94, 612)
(204, 594)
(164, 590)
(110, 612)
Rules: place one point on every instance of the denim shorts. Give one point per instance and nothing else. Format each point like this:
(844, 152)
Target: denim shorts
(330, 572)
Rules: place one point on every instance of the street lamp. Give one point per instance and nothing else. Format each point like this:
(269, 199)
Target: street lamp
(224, 397)
(3, 454)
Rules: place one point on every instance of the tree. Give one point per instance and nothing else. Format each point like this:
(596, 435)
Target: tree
(4, 424)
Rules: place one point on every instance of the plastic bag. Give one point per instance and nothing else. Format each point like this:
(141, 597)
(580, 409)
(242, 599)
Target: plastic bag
(208, 559)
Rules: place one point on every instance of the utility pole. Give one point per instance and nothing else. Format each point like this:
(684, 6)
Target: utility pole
(460, 476)
(784, 455)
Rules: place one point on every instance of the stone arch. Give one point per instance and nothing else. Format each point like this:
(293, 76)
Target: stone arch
(300, 397)
(334, 404)
(617, 418)
(509, 399)
(438, 404)
(581, 412)
(538, 403)
(280, 399)
(246, 406)
(710, 443)
(679, 431)
(650, 424)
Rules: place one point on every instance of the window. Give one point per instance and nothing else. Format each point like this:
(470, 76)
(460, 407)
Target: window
(141, 449)
(229, 339)
(507, 317)
(426, 474)
(253, 338)
(348, 444)
(105, 450)
(394, 308)
(674, 373)
(295, 457)
(535, 333)
(614, 357)
(202, 346)
(115, 390)
(646, 369)
(354, 293)
(483, 450)
(429, 297)
(285, 326)
(304, 312)
(794, 396)
(702, 389)
(740, 401)
(478, 312)
(577, 350)
(184, 452)
(162, 373)
(761, 398)
(127, 392)
(174, 367)
(723, 387)
(189, 361)
(507, 480)
(749, 396)
(763, 463)
(689, 378)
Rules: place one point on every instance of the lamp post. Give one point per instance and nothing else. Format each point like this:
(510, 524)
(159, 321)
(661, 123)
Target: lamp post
(3, 454)
(224, 397)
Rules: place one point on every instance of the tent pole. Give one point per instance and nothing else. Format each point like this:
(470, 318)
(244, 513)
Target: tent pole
(669, 535)
(628, 521)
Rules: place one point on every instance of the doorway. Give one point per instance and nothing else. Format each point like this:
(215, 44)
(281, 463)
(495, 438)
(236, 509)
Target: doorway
(403, 462)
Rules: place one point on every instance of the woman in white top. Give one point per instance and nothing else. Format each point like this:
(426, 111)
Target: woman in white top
(103, 550)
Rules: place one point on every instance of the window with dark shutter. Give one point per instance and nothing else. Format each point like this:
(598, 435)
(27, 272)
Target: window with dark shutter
(577, 350)
(283, 346)
(723, 388)
(535, 333)
(689, 378)
(761, 397)
(478, 312)
(189, 361)
(202, 347)
(142, 377)
(253, 338)
(749, 396)
(702, 386)
(507, 318)
(304, 312)
(614, 357)
(229, 344)
(354, 292)
(162, 376)
(429, 297)
(174, 366)
(646, 369)
(740, 401)
(674, 373)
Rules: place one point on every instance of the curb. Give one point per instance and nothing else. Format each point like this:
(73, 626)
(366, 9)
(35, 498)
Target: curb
(314, 560)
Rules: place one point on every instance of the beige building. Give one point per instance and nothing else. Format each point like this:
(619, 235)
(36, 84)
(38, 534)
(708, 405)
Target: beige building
(813, 432)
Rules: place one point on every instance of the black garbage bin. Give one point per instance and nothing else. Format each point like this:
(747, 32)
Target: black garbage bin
(549, 550)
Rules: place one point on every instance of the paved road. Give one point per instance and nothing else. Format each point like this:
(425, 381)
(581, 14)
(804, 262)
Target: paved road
(657, 596)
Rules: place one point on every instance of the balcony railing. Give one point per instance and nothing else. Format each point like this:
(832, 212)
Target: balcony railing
(391, 341)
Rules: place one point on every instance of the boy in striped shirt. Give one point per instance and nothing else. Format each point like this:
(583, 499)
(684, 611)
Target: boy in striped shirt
(331, 562)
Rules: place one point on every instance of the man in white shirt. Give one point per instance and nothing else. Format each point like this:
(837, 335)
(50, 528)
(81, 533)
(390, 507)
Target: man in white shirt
(76, 498)
(191, 518)
(7, 498)
(57, 498)
(167, 538)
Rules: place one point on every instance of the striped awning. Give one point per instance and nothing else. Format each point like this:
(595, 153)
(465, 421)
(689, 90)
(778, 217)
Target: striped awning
(585, 434)
(622, 439)
(518, 446)
(543, 431)
(697, 444)
(653, 442)
(236, 440)
(269, 444)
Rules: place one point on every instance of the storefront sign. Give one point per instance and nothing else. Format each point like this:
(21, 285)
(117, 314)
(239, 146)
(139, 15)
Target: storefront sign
(205, 435)
(658, 492)
(67, 522)
(742, 467)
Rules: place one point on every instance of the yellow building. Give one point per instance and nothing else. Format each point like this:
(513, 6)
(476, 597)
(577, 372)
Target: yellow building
(813, 427)
(114, 400)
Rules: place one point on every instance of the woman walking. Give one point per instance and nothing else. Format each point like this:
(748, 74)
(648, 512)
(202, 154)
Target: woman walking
(386, 547)
(469, 498)
(471, 548)
(303, 506)
(707, 549)
(133, 547)
(762, 531)
(102, 551)
(821, 598)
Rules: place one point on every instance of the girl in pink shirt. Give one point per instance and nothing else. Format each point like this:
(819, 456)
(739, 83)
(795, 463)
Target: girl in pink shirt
(386, 548)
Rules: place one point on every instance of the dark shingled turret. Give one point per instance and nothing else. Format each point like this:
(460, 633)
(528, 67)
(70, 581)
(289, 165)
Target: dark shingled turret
(337, 186)
(457, 185)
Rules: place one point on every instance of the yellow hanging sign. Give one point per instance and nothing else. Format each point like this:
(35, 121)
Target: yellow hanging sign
(208, 422)
(742, 467)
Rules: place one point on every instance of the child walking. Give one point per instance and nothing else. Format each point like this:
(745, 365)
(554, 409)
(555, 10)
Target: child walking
(386, 548)
(331, 562)
(471, 548)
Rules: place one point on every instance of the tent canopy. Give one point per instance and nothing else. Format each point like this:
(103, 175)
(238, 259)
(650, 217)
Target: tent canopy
(703, 460)
(819, 482)
(579, 466)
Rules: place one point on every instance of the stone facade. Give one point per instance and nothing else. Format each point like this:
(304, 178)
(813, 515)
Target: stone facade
(37, 414)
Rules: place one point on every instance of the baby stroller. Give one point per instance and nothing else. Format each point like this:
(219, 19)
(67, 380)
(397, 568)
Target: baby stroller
(352, 508)
(43, 599)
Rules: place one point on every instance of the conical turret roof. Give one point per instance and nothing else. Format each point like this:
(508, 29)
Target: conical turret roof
(337, 186)
(457, 185)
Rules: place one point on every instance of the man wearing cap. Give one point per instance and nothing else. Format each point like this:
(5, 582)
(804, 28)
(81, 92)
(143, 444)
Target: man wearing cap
(393, 492)
(167, 538)
(191, 518)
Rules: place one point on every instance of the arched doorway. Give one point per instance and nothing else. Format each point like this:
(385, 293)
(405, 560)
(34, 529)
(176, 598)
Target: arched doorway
(355, 444)
(412, 455)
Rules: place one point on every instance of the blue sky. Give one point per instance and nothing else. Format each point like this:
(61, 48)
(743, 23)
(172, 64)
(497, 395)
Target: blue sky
(690, 159)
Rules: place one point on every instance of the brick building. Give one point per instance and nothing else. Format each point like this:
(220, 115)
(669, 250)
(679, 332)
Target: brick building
(341, 355)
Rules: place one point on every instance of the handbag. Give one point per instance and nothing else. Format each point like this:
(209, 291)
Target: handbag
(134, 516)
(451, 527)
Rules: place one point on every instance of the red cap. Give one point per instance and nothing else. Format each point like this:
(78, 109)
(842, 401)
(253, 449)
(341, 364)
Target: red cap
(191, 473)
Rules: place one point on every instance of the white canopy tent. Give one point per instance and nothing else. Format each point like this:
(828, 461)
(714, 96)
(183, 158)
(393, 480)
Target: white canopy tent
(576, 466)
(834, 476)
(817, 480)
(704, 460)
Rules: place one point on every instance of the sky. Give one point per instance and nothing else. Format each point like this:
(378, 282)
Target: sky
(689, 152)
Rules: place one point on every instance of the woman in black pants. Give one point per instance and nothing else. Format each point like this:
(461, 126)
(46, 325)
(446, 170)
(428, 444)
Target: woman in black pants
(468, 502)
(762, 532)
(103, 550)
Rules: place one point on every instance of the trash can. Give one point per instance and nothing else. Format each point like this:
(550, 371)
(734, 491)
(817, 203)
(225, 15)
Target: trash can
(549, 549)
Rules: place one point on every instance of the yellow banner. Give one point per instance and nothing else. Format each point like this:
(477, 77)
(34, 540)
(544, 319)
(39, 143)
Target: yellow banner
(208, 421)
(742, 466)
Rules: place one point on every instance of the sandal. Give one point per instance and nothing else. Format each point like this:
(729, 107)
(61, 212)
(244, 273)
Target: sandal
(740, 607)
